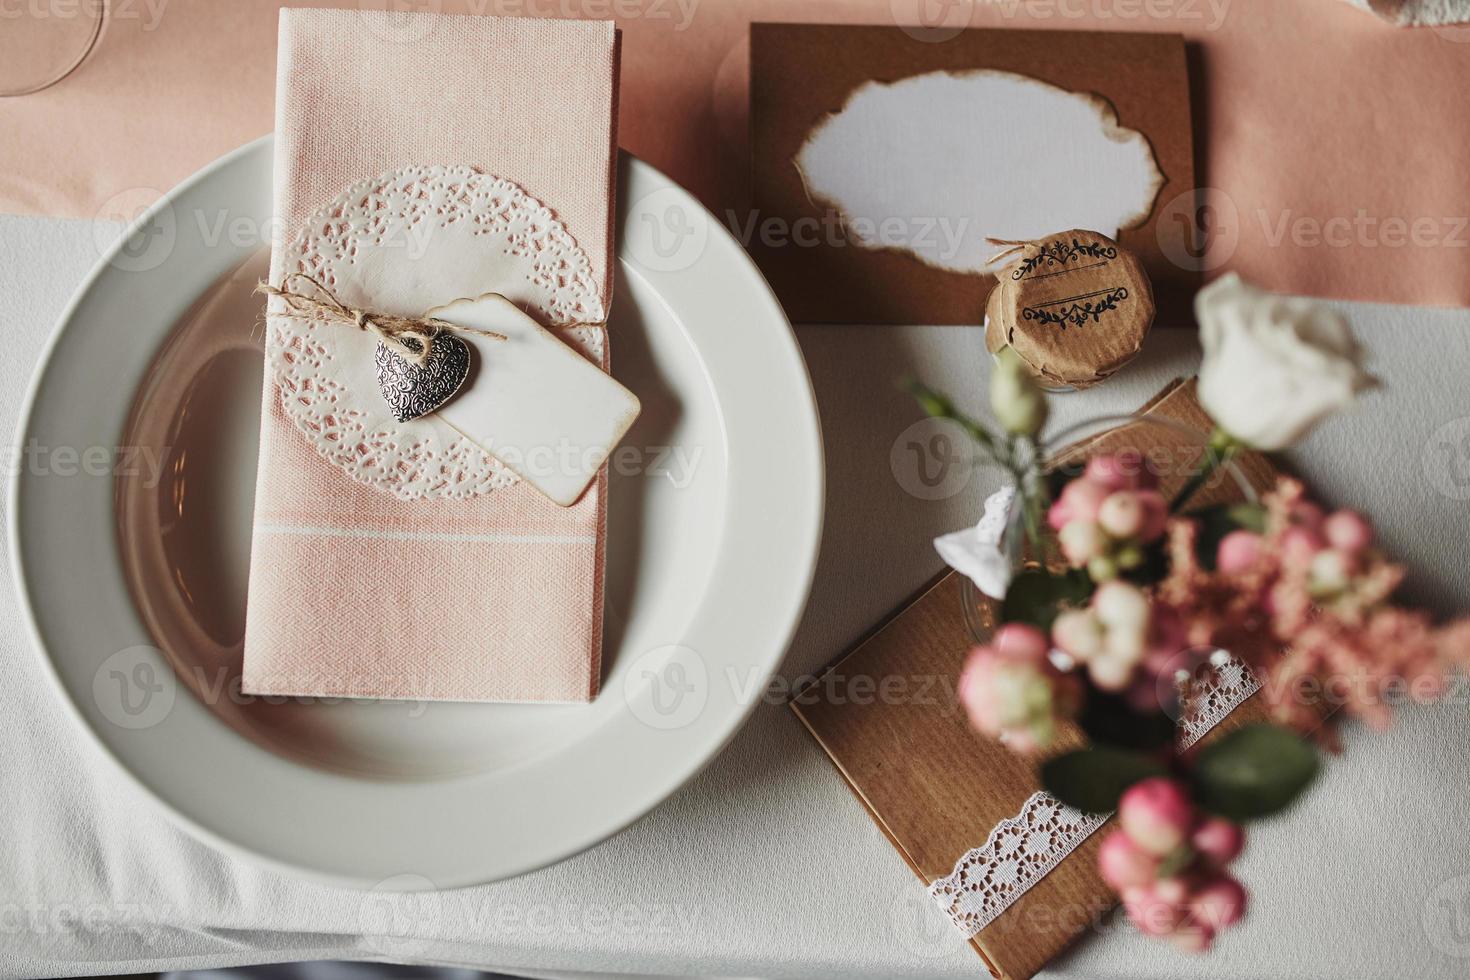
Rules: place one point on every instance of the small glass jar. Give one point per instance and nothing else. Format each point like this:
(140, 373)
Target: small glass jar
(1074, 306)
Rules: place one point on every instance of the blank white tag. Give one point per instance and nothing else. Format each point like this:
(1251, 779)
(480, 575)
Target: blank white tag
(534, 403)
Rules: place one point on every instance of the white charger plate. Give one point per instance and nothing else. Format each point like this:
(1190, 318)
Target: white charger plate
(134, 581)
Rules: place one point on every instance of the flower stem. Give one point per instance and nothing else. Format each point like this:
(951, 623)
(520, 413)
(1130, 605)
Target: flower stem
(1221, 449)
(1033, 501)
(1019, 455)
(938, 405)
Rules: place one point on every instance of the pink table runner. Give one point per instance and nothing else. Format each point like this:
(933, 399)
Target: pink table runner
(352, 591)
(1338, 143)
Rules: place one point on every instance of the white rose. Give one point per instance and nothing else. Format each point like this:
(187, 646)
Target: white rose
(1274, 366)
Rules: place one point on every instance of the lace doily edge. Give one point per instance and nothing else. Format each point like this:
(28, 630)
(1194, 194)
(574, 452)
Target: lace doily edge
(949, 890)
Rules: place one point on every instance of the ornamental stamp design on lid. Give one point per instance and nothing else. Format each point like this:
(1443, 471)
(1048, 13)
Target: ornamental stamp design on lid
(1077, 310)
(1053, 258)
(1075, 306)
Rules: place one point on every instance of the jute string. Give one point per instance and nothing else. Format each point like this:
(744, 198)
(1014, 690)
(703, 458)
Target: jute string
(1013, 248)
(320, 303)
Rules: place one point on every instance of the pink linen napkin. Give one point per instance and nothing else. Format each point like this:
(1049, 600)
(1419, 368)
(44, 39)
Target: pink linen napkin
(354, 593)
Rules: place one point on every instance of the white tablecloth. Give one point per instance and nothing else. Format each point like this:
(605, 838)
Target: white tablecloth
(766, 865)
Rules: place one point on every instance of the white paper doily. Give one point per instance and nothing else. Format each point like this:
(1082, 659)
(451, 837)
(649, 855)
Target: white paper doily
(407, 242)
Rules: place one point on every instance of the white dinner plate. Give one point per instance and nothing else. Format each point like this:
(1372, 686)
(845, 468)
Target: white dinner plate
(132, 564)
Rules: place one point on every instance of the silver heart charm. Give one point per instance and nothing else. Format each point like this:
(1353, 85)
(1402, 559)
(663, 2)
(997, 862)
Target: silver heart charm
(414, 390)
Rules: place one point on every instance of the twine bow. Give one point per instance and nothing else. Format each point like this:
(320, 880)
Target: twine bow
(1012, 248)
(322, 304)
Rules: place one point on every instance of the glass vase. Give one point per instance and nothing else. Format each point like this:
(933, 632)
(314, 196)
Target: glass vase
(1173, 451)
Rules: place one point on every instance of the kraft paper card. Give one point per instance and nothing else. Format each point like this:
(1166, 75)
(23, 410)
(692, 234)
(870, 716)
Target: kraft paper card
(886, 166)
(962, 810)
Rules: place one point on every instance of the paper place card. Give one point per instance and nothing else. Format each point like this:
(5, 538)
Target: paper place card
(533, 402)
(881, 165)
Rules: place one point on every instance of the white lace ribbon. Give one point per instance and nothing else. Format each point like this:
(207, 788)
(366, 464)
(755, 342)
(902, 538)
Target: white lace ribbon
(1018, 853)
(1021, 850)
(1230, 684)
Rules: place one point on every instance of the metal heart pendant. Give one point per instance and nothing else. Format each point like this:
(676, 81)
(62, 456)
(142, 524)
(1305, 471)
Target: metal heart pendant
(414, 390)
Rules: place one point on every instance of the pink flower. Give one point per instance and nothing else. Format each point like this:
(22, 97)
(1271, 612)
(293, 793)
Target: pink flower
(1218, 839)
(1165, 861)
(1331, 636)
(1078, 501)
(1121, 471)
(1157, 814)
(1239, 551)
(1082, 542)
(1012, 692)
(1154, 912)
(1105, 517)
(1219, 902)
(1119, 631)
(1301, 543)
(1348, 531)
(1306, 513)
(1192, 936)
(1309, 606)
(1021, 643)
(1134, 515)
(1189, 913)
(1124, 864)
(1156, 515)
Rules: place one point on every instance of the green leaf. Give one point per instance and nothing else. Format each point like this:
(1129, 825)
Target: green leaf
(1092, 779)
(1253, 772)
(1036, 596)
(1218, 520)
(1249, 517)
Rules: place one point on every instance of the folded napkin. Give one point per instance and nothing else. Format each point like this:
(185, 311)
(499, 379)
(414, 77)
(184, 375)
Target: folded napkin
(354, 592)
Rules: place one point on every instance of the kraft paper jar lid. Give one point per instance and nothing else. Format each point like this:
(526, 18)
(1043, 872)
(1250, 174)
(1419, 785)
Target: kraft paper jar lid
(1075, 306)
